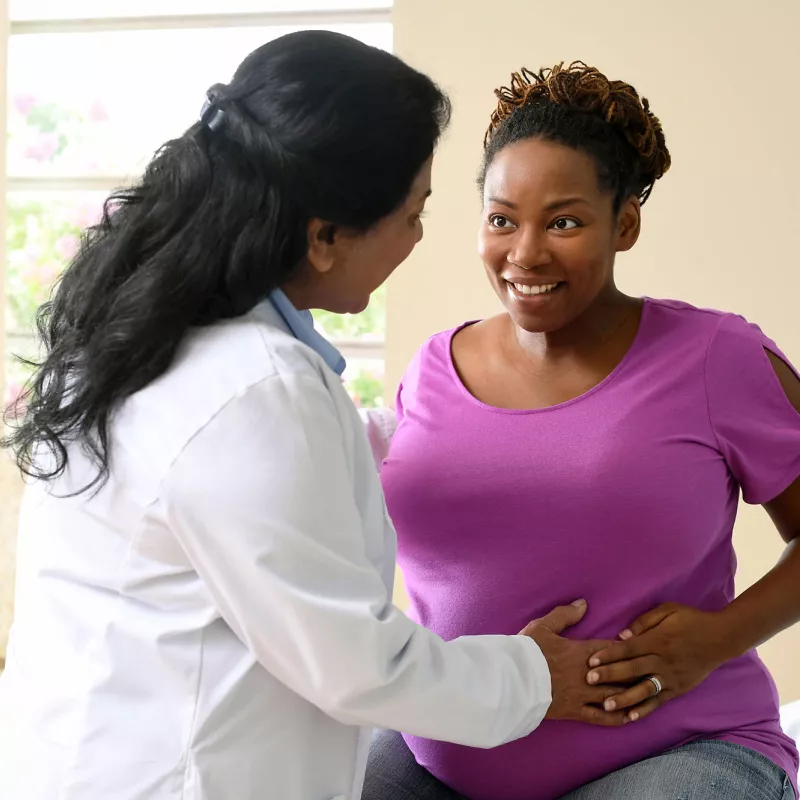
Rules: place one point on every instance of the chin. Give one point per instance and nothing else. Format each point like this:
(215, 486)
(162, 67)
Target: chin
(536, 324)
(543, 313)
(541, 322)
(358, 306)
(349, 306)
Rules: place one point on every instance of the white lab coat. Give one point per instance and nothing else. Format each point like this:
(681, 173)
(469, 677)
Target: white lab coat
(216, 623)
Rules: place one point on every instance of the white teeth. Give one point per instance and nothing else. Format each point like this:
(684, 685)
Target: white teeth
(523, 289)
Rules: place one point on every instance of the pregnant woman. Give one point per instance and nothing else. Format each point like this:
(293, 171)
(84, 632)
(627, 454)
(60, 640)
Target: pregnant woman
(590, 444)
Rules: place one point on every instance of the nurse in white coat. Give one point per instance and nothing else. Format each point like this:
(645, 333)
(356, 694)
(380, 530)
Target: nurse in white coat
(205, 561)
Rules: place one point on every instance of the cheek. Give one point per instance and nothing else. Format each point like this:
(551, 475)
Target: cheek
(405, 244)
(386, 254)
(492, 251)
(587, 254)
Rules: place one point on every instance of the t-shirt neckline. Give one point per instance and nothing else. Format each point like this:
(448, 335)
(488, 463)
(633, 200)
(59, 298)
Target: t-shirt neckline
(610, 378)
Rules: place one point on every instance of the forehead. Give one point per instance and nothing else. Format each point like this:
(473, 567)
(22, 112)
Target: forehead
(536, 170)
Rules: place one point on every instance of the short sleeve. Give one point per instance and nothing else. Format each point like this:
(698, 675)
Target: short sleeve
(756, 427)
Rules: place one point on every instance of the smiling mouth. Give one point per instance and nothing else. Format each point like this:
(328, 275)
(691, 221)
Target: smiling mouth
(523, 290)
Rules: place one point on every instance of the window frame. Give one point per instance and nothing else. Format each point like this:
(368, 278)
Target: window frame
(353, 349)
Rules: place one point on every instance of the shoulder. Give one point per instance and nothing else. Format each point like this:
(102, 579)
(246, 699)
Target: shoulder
(432, 355)
(437, 353)
(742, 360)
(682, 327)
(238, 364)
(229, 357)
(479, 336)
(680, 317)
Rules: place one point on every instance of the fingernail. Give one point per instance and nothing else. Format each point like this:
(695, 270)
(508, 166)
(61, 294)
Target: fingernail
(594, 662)
(634, 717)
(625, 635)
(609, 705)
(579, 603)
(593, 677)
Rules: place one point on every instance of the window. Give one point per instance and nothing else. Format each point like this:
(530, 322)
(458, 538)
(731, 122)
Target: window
(90, 98)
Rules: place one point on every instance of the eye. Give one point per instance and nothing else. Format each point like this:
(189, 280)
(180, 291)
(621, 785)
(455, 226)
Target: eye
(566, 224)
(500, 222)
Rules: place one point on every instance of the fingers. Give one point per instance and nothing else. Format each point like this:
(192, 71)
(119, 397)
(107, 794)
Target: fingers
(612, 706)
(648, 621)
(595, 646)
(645, 709)
(596, 716)
(631, 697)
(560, 618)
(624, 671)
(599, 695)
(619, 651)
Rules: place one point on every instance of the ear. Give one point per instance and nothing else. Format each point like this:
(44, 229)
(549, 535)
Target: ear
(629, 224)
(321, 245)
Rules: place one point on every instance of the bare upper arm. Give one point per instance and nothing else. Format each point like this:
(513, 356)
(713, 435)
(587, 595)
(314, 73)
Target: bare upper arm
(789, 381)
(785, 508)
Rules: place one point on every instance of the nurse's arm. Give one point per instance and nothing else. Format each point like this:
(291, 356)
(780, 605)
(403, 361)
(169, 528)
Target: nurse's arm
(262, 501)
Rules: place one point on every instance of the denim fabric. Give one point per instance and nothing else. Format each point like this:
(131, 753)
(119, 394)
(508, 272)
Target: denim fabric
(707, 770)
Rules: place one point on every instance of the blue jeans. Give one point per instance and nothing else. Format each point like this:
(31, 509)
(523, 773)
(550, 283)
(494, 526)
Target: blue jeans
(707, 770)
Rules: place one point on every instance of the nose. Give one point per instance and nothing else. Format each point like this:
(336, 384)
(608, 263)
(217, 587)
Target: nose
(530, 249)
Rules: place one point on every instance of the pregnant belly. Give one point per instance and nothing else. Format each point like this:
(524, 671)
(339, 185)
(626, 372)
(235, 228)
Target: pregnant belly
(736, 701)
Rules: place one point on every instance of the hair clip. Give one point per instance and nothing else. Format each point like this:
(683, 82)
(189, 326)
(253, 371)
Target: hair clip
(212, 120)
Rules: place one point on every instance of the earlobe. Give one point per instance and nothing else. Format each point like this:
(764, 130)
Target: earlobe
(321, 244)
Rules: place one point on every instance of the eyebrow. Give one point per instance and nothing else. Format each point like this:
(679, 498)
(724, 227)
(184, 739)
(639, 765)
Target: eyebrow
(556, 204)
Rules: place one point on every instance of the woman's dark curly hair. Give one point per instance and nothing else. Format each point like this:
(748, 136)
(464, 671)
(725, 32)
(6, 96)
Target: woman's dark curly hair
(581, 108)
(313, 125)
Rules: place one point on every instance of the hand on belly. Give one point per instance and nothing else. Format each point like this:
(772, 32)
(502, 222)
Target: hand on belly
(573, 697)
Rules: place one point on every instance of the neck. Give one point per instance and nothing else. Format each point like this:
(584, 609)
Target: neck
(299, 293)
(609, 316)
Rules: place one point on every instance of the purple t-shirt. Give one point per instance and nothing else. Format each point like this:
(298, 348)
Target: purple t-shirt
(626, 496)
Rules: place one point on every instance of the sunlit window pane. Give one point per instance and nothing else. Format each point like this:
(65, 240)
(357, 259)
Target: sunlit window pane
(107, 107)
(43, 232)
(370, 325)
(89, 9)
(364, 381)
(42, 236)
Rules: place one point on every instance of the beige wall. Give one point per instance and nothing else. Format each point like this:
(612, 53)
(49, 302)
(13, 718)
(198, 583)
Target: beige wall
(721, 229)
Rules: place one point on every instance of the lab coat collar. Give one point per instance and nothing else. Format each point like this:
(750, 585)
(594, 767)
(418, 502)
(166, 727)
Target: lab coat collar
(301, 325)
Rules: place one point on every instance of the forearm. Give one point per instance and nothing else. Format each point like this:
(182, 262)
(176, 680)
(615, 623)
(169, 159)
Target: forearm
(768, 607)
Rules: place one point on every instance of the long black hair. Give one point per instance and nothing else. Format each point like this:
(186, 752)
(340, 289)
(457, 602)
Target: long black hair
(313, 125)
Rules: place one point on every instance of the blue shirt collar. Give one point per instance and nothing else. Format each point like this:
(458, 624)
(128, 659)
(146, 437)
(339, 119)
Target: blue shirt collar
(301, 326)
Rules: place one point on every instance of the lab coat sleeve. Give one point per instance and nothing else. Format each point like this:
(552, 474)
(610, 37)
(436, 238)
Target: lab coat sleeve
(379, 425)
(262, 501)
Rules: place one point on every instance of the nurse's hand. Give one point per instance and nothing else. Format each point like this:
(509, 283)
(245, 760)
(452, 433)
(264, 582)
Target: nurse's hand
(573, 698)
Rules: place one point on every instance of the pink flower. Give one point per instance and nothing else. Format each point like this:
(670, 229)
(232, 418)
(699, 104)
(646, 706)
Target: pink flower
(24, 103)
(98, 112)
(32, 254)
(66, 247)
(47, 274)
(86, 213)
(44, 148)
